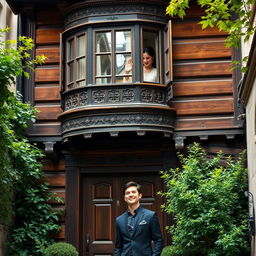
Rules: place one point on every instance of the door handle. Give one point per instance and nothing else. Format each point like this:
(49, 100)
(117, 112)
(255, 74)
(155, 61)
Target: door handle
(87, 242)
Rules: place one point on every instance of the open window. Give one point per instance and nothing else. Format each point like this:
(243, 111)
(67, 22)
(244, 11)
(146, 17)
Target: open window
(150, 56)
(168, 53)
(112, 51)
(76, 61)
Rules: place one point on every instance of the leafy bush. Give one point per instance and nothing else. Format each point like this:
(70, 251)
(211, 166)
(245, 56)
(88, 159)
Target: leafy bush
(206, 198)
(170, 251)
(61, 249)
(25, 195)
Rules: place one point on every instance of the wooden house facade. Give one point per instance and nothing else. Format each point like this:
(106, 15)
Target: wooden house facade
(100, 131)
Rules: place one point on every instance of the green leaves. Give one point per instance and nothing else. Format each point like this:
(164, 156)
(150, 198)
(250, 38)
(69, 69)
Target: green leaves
(218, 13)
(206, 196)
(19, 160)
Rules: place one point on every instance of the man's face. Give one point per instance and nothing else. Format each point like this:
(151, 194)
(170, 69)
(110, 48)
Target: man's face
(132, 195)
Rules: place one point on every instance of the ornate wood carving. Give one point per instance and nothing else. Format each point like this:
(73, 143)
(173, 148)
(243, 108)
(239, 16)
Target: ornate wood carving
(112, 95)
(83, 13)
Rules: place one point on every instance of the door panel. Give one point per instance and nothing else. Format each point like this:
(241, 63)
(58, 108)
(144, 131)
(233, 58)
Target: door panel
(102, 201)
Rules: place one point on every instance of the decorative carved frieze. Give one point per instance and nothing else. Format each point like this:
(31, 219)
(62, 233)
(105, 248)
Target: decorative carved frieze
(112, 12)
(128, 95)
(114, 96)
(76, 100)
(157, 121)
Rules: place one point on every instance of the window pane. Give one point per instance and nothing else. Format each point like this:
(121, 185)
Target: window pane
(70, 52)
(150, 57)
(70, 72)
(123, 41)
(81, 69)
(103, 65)
(103, 42)
(80, 83)
(123, 64)
(105, 80)
(81, 46)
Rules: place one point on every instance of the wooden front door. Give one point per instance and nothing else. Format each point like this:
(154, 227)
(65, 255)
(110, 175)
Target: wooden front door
(103, 201)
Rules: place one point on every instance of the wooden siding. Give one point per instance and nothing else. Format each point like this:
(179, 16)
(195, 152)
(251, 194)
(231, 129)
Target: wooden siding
(47, 97)
(203, 82)
(55, 176)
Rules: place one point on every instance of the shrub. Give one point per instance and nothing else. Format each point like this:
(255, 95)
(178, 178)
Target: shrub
(170, 251)
(206, 198)
(61, 249)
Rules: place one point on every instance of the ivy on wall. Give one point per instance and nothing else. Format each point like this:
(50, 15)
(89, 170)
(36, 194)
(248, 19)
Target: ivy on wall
(24, 195)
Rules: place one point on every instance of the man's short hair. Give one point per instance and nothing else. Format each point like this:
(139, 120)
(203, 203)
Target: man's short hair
(132, 184)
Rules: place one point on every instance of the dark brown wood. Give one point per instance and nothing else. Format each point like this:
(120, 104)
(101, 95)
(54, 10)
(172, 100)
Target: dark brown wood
(48, 36)
(47, 74)
(203, 69)
(52, 54)
(198, 123)
(45, 129)
(204, 107)
(50, 166)
(56, 180)
(202, 88)
(192, 49)
(48, 112)
(193, 29)
(46, 94)
(48, 16)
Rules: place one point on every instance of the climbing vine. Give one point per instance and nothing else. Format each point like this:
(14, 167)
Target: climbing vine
(24, 195)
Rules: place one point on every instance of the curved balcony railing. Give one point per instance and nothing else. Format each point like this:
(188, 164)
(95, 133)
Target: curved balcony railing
(117, 108)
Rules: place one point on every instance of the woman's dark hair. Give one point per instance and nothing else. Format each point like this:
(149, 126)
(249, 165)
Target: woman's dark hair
(150, 51)
(132, 184)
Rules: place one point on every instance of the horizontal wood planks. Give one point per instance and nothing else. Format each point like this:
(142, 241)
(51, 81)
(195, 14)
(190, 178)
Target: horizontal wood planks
(47, 97)
(203, 84)
(189, 29)
(47, 93)
(200, 49)
(204, 107)
(56, 178)
(202, 69)
(52, 54)
(203, 88)
(47, 36)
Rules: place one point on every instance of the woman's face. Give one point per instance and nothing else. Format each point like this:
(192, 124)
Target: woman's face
(147, 61)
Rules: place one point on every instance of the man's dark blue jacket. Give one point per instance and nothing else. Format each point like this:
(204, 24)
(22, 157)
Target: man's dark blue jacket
(146, 230)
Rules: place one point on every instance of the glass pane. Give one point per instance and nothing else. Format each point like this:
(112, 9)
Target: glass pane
(70, 72)
(123, 41)
(103, 65)
(105, 80)
(70, 49)
(81, 69)
(123, 79)
(103, 42)
(81, 46)
(150, 57)
(80, 83)
(124, 64)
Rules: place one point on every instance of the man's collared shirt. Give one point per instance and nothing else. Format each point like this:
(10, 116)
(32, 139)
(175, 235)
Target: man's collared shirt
(132, 220)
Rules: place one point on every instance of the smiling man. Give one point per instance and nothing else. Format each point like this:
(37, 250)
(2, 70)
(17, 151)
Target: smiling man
(137, 227)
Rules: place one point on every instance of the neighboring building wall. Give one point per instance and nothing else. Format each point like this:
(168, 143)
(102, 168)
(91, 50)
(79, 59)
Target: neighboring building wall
(7, 18)
(248, 95)
(251, 148)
